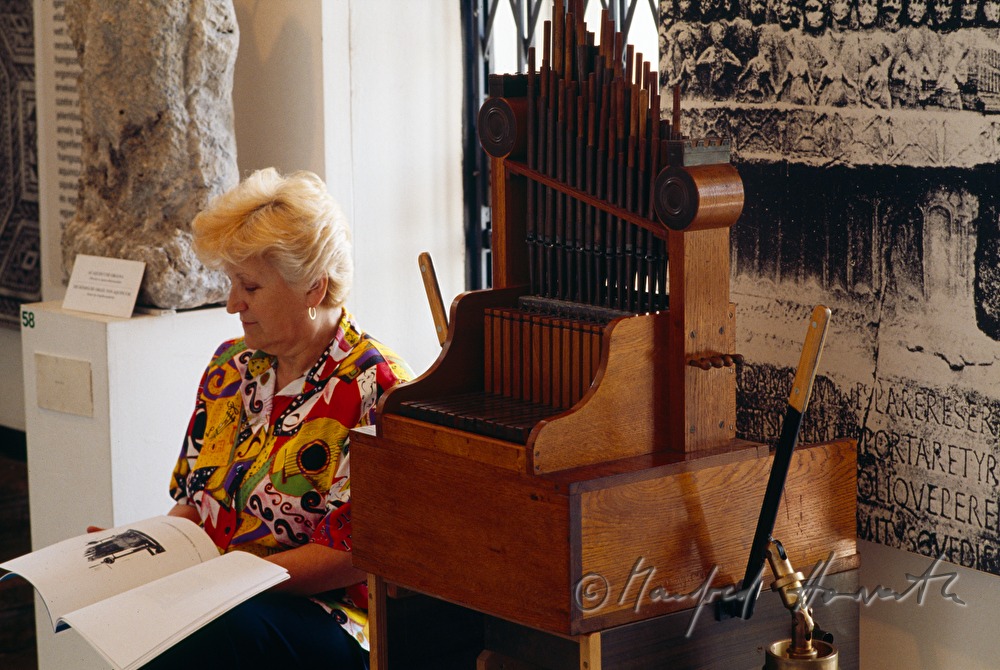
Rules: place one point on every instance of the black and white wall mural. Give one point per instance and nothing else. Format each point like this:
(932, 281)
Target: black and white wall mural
(867, 133)
(20, 267)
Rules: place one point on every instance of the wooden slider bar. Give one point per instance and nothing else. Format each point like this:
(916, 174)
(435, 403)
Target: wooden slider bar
(565, 365)
(481, 413)
(527, 357)
(508, 416)
(515, 361)
(544, 334)
(536, 373)
(492, 338)
(471, 412)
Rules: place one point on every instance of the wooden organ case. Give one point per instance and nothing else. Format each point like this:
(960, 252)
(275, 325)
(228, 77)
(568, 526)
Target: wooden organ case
(570, 462)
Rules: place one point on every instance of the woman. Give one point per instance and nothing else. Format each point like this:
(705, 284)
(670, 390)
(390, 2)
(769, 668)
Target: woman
(265, 466)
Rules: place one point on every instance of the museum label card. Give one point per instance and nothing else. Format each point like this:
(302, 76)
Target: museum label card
(106, 286)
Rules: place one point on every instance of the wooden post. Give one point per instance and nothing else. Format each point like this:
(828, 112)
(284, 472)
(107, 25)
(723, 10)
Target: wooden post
(378, 641)
(590, 651)
(701, 410)
(510, 262)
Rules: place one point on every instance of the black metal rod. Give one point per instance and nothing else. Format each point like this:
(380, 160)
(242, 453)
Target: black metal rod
(742, 603)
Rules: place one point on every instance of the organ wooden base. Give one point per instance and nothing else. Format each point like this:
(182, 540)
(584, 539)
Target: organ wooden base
(584, 551)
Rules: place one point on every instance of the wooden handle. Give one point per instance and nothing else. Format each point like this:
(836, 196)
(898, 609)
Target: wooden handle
(434, 296)
(743, 602)
(809, 360)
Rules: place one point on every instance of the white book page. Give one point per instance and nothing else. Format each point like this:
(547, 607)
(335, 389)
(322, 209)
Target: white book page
(84, 569)
(132, 628)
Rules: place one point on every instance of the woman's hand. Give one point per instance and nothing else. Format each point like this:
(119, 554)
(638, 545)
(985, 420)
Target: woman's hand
(185, 511)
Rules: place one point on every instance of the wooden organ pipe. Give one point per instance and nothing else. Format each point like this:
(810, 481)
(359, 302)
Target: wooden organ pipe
(608, 179)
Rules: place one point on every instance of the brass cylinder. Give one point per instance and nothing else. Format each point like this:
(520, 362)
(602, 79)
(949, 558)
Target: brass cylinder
(503, 127)
(776, 657)
(699, 197)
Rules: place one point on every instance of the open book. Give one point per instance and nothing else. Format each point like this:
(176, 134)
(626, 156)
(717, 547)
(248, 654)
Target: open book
(134, 591)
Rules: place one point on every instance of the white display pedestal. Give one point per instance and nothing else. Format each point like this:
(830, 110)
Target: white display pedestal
(138, 378)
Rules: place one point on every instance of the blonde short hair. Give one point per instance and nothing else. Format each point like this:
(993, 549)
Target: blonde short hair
(290, 221)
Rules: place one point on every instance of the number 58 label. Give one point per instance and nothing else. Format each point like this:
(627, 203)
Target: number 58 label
(28, 319)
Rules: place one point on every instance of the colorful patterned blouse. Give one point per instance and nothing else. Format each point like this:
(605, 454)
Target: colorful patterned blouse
(268, 469)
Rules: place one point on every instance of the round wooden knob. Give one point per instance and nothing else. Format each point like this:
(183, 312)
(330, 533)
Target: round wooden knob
(698, 197)
(503, 127)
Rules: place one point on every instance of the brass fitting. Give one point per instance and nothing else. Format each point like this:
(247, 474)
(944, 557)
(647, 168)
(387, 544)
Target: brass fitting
(801, 651)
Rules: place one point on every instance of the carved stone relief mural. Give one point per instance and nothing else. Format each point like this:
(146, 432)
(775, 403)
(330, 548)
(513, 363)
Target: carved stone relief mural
(20, 269)
(868, 137)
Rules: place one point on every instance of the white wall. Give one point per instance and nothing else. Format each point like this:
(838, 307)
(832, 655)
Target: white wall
(278, 85)
(939, 633)
(396, 86)
(385, 133)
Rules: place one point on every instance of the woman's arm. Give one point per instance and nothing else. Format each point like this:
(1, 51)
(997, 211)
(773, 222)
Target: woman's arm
(186, 511)
(315, 568)
(312, 568)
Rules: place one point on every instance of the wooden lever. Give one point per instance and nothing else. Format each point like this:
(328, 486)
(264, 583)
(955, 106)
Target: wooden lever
(742, 603)
(809, 360)
(434, 296)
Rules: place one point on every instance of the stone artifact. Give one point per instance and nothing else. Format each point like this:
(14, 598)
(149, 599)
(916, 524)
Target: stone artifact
(158, 142)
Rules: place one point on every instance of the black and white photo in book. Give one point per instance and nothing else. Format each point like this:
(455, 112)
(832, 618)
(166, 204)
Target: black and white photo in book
(868, 138)
(126, 543)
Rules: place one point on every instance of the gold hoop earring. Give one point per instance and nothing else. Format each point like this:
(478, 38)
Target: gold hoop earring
(312, 313)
